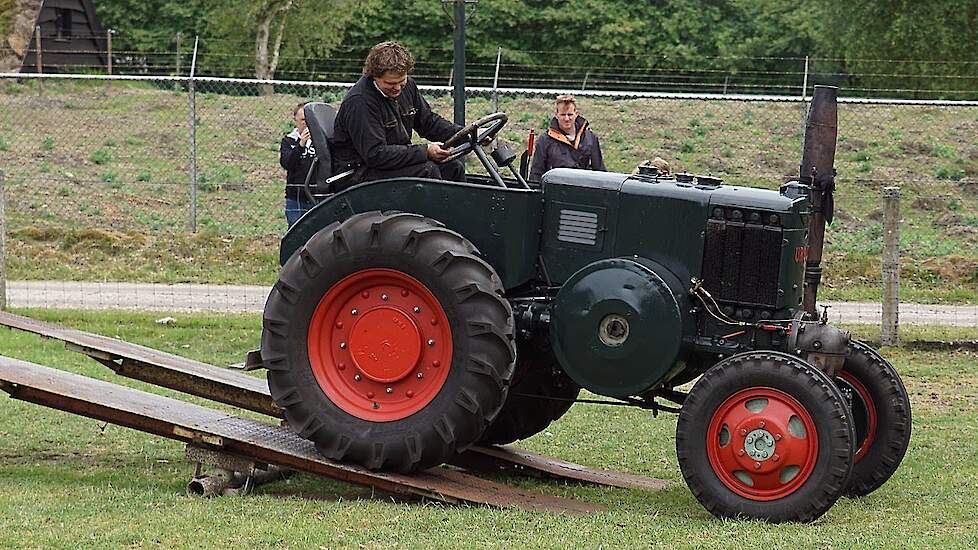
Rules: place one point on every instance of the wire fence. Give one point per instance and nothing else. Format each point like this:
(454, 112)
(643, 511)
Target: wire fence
(139, 180)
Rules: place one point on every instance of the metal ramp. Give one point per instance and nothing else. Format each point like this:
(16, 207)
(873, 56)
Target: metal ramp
(251, 393)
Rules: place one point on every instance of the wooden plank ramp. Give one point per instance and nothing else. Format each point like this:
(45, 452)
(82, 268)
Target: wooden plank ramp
(276, 445)
(251, 393)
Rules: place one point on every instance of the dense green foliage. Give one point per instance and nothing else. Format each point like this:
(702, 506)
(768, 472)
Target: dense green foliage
(761, 43)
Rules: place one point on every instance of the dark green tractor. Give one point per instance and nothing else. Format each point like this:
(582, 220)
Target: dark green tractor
(414, 318)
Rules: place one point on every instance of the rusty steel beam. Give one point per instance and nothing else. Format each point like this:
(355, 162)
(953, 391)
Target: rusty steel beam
(276, 445)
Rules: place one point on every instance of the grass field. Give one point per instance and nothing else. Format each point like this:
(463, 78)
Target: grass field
(97, 178)
(66, 481)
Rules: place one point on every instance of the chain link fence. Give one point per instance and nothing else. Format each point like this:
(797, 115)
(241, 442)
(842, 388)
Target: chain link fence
(141, 180)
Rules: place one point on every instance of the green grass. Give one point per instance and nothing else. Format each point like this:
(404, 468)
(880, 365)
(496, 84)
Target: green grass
(136, 174)
(68, 481)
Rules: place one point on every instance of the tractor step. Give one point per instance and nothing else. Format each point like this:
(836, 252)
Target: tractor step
(251, 393)
(244, 437)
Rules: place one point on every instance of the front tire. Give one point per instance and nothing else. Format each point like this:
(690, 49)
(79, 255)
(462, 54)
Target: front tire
(881, 416)
(387, 342)
(765, 435)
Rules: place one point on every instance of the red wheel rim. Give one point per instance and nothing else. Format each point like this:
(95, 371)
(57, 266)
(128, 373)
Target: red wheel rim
(756, 422)
(380, 345)
(867, 399)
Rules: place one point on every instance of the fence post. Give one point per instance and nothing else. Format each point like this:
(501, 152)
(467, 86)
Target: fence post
(192, 95)
(891, 267)
(3, 238)
(108, 56)
(38, 62)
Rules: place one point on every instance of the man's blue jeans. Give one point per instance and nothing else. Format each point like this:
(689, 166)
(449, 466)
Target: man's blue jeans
(294, 209)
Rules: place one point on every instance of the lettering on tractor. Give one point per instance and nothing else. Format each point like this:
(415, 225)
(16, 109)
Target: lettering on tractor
(513, 297)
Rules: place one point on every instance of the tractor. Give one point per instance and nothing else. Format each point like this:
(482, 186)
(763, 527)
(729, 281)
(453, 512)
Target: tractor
(414, 318)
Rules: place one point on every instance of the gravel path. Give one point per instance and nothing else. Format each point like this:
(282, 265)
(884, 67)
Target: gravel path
(251, 299)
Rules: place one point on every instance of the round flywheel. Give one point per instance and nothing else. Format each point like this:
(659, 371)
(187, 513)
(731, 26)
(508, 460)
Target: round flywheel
(378, 343)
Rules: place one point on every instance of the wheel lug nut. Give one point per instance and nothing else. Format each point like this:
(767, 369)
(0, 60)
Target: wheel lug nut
(775, 458)
(757, 465)
(390, 390)
(420, 375)
(353, 311)
(356, 377)
(743, 431)
(777, 437)
(417, 309)
(342, 345)
(431, 342)
(384, 297)
(761, 424)
(740, 452)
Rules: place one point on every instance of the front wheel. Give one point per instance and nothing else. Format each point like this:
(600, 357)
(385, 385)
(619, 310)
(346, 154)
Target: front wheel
(881, 415)
(765, 435)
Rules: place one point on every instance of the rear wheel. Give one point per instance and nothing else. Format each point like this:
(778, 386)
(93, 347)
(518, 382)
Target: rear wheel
(540, 394)
(881, 416)
(387, 342)
(765, 435)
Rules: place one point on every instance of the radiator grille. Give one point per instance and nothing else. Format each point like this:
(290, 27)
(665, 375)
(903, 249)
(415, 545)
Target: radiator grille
(576, 226)
(742, 262)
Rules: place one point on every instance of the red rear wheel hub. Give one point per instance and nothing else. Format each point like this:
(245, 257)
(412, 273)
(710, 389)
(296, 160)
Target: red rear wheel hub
(380, 345)
(762, 444)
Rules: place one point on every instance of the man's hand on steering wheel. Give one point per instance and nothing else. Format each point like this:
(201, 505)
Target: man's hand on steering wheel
(462, 142)
(438, 153)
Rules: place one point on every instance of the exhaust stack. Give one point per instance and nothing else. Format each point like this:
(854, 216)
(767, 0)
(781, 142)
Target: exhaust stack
(818, 173)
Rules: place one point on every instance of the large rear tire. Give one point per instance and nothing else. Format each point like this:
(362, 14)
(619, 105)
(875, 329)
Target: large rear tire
(765, 435)
(540, 394)
(881, 416)
(387, 342)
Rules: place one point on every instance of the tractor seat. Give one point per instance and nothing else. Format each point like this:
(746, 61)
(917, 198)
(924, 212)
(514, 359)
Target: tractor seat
(321, 182)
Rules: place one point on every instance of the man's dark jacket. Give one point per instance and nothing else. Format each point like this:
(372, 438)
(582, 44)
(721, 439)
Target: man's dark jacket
(296, 160)
(554, 150)
(375, 131)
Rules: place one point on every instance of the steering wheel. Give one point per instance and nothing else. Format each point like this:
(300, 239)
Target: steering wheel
(467, 138)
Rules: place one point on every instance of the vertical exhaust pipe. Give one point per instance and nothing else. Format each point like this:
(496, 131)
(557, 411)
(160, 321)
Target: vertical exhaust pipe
(818, 172)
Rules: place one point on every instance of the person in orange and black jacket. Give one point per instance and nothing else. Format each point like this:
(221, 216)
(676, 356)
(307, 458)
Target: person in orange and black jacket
(296, 155)
(568, 143)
